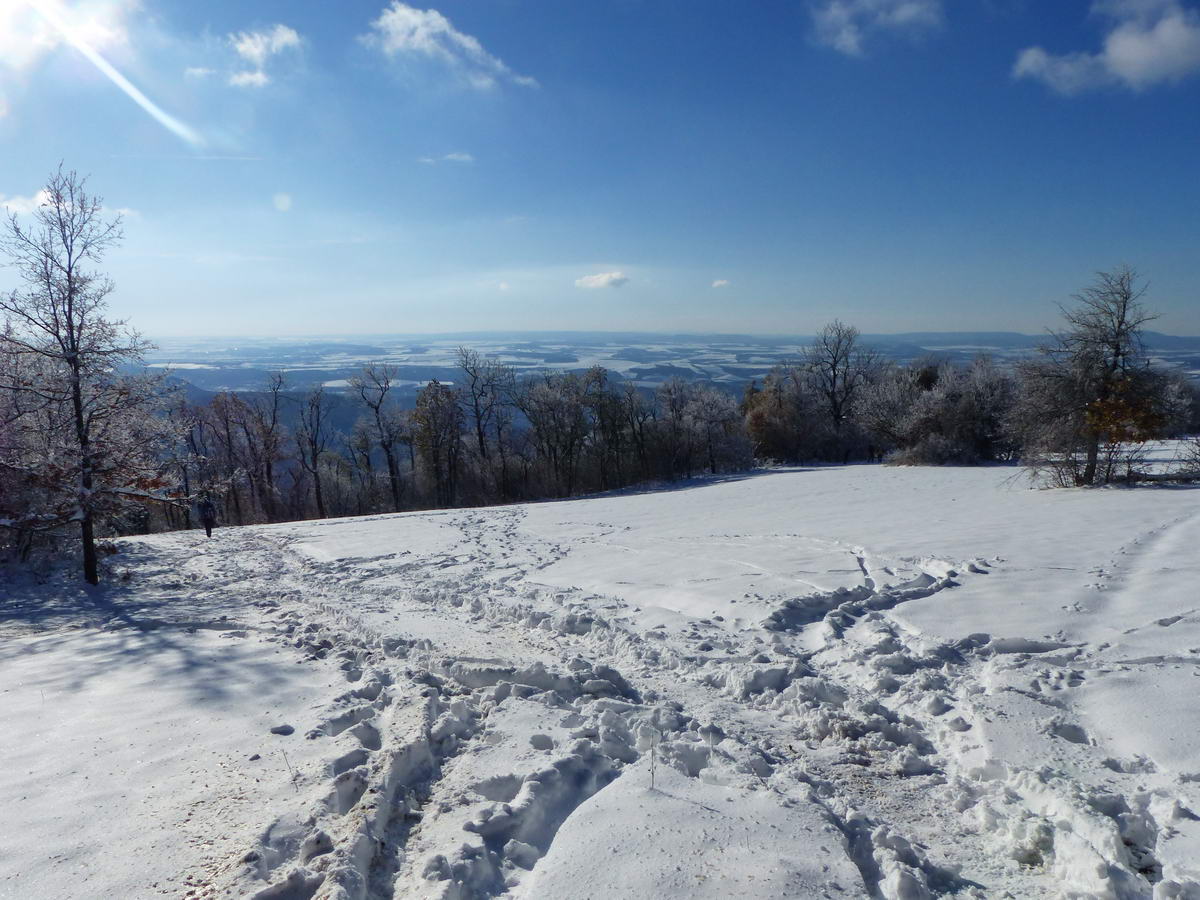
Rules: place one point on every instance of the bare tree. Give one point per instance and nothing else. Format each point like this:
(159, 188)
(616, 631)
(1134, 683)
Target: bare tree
(487, 383)
(373, 386)
(676, 435)
(312, 438)
(839, 367)
(265, 440)
(480, 395)
(437, 426)
(225, 414)
(73, 353)
(638, 415)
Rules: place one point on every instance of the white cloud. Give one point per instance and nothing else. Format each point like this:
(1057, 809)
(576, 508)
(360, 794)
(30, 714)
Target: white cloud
(198, 72)
(720, 283)
(448, 157)
(23, 205)
(1149, 42)
(403, 30)
(26, 205)
(282, 202)
(254, 79)
(602, 280)
(257, 48)
(504, 287)
(845, 24)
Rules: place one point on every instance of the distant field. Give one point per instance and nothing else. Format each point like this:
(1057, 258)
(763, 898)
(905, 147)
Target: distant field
(216, 364)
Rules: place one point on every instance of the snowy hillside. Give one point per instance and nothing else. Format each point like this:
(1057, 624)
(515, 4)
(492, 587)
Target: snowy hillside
(841, 682)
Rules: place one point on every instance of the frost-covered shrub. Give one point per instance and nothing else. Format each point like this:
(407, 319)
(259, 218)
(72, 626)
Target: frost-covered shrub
(932, 450)
(931, 414)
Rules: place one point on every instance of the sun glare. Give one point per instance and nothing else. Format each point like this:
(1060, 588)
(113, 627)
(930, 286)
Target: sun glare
(29, 28)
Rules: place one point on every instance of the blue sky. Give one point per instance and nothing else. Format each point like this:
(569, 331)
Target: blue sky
(305, 167)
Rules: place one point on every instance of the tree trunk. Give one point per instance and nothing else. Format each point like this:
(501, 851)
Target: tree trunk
(91, 570)
(393, 468)
(268, 485)
(316, 476)
(87, 533)
(1093, 454)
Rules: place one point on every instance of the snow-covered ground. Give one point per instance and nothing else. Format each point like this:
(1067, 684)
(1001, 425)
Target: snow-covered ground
(837, 682)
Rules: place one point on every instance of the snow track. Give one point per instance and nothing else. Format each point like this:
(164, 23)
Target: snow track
(818, 706)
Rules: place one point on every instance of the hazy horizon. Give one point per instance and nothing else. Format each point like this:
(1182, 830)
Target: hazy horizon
(550, 334)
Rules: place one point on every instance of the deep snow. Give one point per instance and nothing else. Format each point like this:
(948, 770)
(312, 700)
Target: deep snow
(836, 682)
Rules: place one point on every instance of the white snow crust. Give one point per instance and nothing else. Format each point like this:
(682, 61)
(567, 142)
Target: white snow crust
(855, 681)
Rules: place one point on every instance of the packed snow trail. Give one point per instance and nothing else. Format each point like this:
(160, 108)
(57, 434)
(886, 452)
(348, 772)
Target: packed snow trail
(703, 693)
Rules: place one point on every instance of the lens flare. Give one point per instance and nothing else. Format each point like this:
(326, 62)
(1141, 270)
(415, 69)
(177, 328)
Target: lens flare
(52, 14)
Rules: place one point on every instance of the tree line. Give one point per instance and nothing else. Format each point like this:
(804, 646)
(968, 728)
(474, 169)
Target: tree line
(1077, 412)
(87, 449)
(494, 438)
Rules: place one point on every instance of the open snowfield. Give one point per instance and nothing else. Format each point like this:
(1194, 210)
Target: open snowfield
(838, 682)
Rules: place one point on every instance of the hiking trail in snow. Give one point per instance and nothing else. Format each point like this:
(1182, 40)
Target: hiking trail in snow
(690, 694)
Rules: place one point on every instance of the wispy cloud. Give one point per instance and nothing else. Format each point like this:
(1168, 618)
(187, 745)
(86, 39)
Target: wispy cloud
(257, 48)
(602, 280)
(403, 30)
(255, 78)
(198, 72)
(224, 258)
(721, 283)
(282, 202)
(845, 25)
(1149, 42)
(461, 158)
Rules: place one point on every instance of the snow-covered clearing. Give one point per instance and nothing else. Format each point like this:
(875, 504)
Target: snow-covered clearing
(839, 682)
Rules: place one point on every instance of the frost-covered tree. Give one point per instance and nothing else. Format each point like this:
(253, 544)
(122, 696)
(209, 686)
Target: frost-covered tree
(1091, 389)
(718, 426)
(555, 406)
(784, 419)
(82, 436)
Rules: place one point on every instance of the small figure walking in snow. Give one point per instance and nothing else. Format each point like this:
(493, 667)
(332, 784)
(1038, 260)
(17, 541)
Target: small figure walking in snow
(208, 515)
